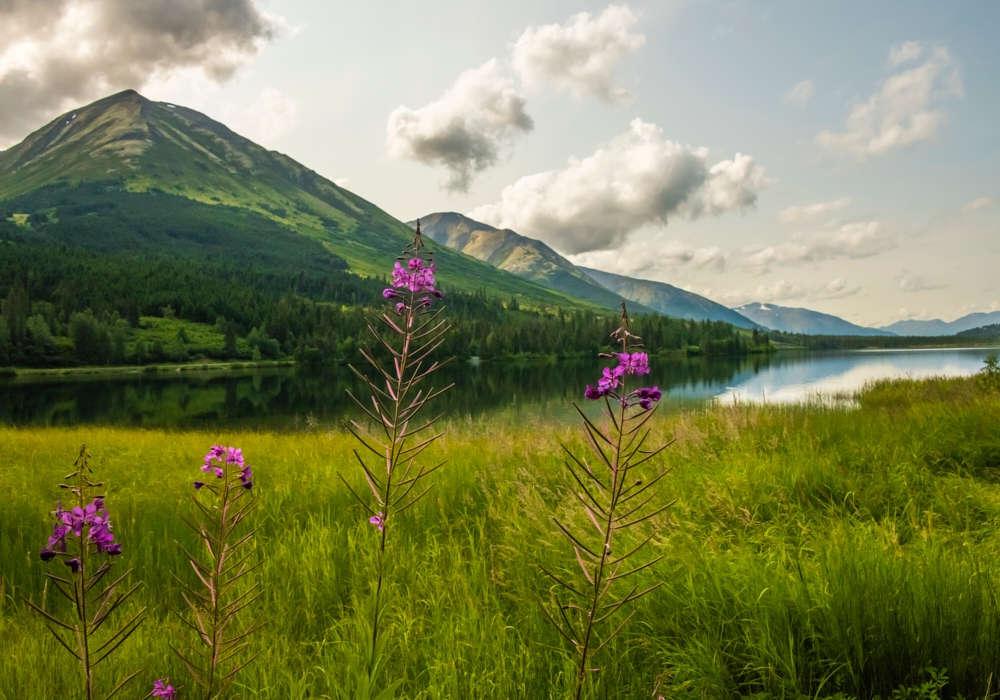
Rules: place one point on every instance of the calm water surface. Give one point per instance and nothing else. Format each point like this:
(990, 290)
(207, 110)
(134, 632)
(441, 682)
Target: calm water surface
(289, 399)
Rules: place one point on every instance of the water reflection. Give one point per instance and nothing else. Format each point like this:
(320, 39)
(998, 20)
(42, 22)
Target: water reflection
(830, 374)
(289, 399)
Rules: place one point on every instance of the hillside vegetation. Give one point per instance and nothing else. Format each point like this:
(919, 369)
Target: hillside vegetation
(166, 179)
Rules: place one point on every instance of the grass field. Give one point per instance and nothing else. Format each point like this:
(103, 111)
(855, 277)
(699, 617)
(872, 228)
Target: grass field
(811, 552)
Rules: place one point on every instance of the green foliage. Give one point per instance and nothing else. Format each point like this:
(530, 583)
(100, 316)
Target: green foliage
(989, 376)
(811, 552)
(928, 690)
(861, 342)
(318, 318)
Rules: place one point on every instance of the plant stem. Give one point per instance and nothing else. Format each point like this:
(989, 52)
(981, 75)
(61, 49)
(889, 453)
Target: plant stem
(220, 558)
(616, 485)
(395, 450)
(80, 585)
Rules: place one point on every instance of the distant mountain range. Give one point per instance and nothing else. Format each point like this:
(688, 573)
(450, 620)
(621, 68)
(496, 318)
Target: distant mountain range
(939, 327)
(796, 320)
(516, 254)
(531, 259)
(129, 175)
(668, 299)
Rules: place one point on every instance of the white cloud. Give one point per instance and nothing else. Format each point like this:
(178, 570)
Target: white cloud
(905, 52)
(855, 240)
(907, 315)
(784, 291)
(581, 56)
(801, 92)
(57, 53)
(466, 130)
(342, 182)
(898, 115)
(639, 178)
(269, 118)
(916, 283)
(977, 204)
(653, 257)
(811, 211)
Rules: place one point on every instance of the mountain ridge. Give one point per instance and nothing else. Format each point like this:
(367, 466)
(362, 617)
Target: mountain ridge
(936, 326)
(788, 319)
(519, 255)
(535, 260)
(669, 300)
(87, 168)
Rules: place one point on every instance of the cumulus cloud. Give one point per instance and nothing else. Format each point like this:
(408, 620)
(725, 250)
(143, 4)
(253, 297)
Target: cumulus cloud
(269, 118)
(916, 283)
(899, 113)
(811, 211)
(977, 204)
(792, 290)
(54, 53)
(639, 178)
(653, 256)
(801, 92)
(581, 56)
(466, 130)
(905, 52)
(854, 240)
(784, 291)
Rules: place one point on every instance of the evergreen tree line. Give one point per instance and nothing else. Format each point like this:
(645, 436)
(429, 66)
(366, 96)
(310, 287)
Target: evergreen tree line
(63, 306)
(863, 342)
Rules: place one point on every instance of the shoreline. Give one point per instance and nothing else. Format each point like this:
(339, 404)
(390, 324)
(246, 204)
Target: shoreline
(10, 373)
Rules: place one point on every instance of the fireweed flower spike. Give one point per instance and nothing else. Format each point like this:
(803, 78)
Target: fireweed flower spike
(215, 636)
(82, 538)
(162, 689)
(409, 331)
(614, 498)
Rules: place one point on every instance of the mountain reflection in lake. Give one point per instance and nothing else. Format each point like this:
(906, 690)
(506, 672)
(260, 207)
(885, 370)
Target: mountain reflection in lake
(296, 399)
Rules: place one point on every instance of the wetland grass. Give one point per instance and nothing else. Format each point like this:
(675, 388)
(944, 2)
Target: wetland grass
(812, 551)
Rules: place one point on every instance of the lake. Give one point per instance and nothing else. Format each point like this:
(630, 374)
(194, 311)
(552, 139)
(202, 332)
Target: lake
(293, 399)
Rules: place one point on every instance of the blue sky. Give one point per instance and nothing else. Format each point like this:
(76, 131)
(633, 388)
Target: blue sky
(838, 156)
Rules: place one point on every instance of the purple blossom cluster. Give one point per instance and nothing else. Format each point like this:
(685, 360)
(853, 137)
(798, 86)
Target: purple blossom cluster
(628, 363)
(94, 517)
(418, 277)
(218, 456)
(162, 690)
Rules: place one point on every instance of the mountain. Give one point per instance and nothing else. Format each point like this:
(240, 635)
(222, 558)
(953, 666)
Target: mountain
(795, 320)
(939, 327)
(126, 174)
(522, 256)
(990, 332)
(669, 300)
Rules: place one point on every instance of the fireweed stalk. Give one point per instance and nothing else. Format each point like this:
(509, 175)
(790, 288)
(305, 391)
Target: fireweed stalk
(225, 501)
(81, 539)
(614, 497)
(408, 331)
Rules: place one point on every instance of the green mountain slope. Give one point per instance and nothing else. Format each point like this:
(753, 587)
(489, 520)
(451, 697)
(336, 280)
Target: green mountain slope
(668, 299)
(126, 174)
(522, 256)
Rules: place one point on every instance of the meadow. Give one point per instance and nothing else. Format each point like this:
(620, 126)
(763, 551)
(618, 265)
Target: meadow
(813, 551)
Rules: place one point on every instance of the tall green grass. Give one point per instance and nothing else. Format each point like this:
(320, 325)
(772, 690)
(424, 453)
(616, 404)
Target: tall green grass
(812, 551)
